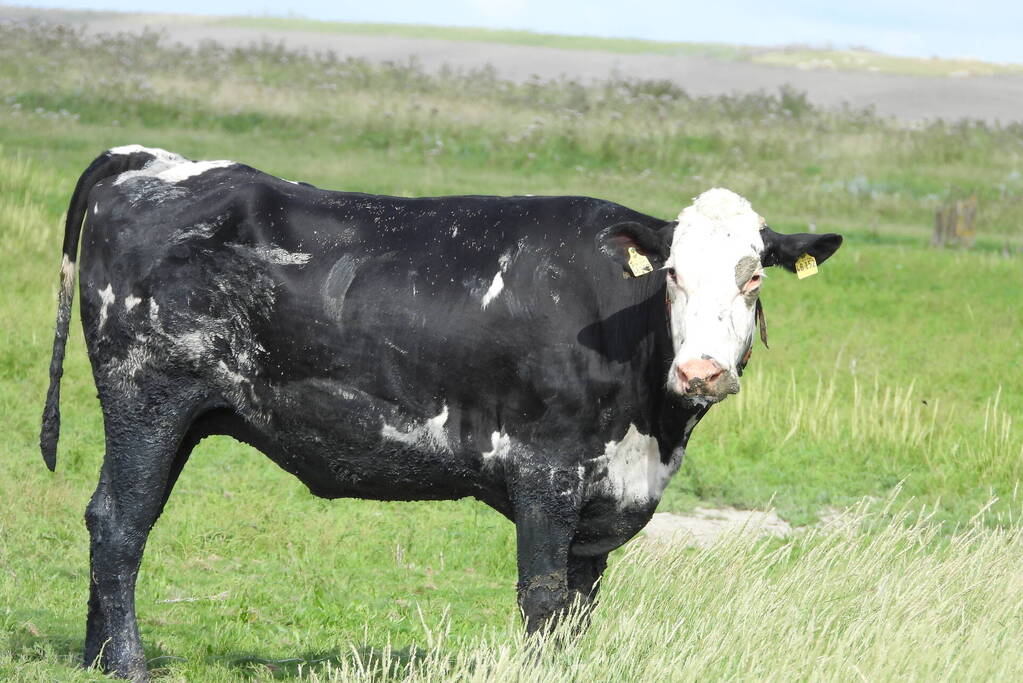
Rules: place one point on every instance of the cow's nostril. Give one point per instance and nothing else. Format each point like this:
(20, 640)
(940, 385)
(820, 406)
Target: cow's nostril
(699, 376)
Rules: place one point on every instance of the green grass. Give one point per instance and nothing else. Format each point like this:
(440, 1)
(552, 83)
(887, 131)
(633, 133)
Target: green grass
(898, 363)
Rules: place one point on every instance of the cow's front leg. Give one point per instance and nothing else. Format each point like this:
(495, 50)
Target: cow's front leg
(583, 581)
(546, 504)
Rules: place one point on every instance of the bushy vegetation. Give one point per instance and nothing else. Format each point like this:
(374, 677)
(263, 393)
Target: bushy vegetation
(899, 363)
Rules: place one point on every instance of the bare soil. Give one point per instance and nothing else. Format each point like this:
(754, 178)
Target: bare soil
(704, 526)
(910, 98)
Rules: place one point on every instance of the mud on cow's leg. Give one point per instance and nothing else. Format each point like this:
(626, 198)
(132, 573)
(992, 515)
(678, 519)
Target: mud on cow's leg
(145, 451)
(546, 507)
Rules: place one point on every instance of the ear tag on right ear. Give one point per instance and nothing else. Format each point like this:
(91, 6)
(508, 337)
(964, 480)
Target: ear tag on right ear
(806, 266)
(638, 263)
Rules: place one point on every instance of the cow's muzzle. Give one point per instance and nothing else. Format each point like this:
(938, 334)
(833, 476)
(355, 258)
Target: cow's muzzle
(705, 378)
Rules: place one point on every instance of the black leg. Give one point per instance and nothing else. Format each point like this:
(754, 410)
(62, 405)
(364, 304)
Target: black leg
(546, 503)
(143, 445)
(583, 575)
(583, 582)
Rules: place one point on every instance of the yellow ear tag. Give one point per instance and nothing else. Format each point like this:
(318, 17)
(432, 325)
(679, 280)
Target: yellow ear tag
(639, 264)
(806, 266)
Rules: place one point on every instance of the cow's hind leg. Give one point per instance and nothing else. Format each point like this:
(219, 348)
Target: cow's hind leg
(145, 450)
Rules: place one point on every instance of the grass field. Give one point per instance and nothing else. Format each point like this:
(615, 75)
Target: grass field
(893, 376)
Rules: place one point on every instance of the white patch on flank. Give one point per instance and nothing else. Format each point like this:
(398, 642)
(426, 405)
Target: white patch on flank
(166, 166)
(497, 285)
(122, 371)
(199, 231)
(335, 287)
(430, 434)
(635, 473)
(281, 257)
(391, 344)
(231, 375)
(193, 343)
(106, 297)
(500, 447)
(495, 288)
(131, 302)
(154, 315)
(95, 207)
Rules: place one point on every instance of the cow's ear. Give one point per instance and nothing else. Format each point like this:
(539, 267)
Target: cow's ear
(785, 250)
(623, 241)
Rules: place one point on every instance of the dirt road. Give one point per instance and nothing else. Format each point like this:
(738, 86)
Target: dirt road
(989, 98)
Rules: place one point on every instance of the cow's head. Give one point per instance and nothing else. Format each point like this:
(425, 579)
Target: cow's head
(714, 258)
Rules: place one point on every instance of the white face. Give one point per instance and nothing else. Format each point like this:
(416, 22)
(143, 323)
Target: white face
(714, 277)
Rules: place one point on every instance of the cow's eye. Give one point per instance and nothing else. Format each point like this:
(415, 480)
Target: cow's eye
(672, 275)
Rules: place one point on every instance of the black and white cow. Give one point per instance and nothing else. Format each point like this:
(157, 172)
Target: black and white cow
(401, 349)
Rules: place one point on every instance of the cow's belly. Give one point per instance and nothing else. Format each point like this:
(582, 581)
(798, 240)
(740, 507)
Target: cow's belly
(342, 442)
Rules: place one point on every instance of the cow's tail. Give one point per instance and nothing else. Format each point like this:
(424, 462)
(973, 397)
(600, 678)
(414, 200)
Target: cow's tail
(106, 165)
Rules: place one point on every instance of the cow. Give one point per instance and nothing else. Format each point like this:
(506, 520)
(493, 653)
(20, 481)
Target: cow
(548, 356)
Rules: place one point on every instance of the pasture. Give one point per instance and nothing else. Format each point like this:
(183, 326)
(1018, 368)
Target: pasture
(891, 386)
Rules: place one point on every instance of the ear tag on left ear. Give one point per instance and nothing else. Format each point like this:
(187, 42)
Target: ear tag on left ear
(638, 263)
(806, 266)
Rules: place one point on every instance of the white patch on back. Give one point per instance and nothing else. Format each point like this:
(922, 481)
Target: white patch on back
(635, 474)
(95, 207)
(187, 169)
(131, 302)
(106, 297)
(430, 434)
(166, 166)
(495, 288)
(133, 149)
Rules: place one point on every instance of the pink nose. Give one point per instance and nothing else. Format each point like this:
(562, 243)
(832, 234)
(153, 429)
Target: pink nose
(698, 375)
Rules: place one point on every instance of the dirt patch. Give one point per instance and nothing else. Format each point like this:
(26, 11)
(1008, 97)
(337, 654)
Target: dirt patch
(703, 526)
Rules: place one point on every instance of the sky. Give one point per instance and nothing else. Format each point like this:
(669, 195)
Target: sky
(987, 29)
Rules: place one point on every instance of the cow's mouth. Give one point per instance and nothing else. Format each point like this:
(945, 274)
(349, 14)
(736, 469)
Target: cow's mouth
(704, 393)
